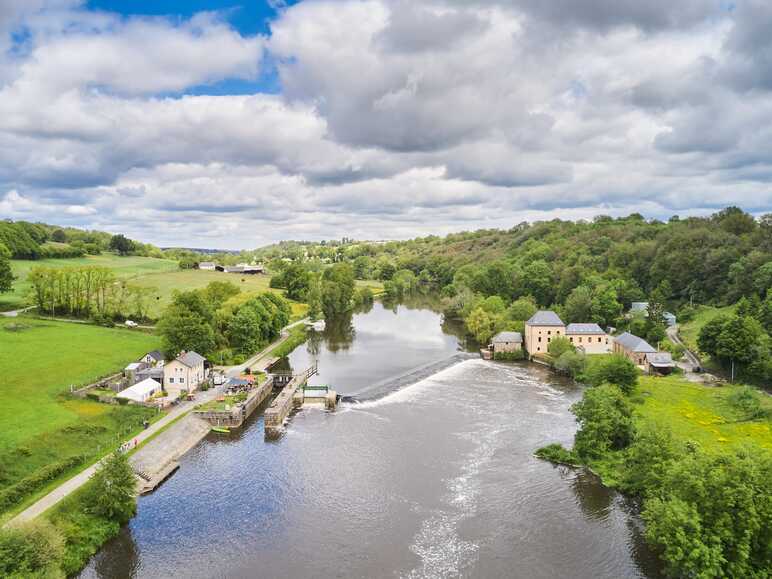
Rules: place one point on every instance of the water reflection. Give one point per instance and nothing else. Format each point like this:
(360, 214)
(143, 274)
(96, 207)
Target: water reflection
(593, 498)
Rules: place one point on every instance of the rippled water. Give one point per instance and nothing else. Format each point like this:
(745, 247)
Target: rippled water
(426, 478)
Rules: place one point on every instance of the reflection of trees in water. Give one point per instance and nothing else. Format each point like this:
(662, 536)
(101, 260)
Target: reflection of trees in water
(314, 343)
(119, 557)
(594, 499)
(339, 332)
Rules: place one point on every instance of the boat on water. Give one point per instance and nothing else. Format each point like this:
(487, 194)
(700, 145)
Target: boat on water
(221, 430)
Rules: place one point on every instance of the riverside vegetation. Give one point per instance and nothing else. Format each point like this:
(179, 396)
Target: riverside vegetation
(699, 459)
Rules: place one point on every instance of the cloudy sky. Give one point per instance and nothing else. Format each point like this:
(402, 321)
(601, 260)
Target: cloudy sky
(234, 123)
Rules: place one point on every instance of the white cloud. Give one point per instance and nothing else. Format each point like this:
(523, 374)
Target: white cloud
(395, 118)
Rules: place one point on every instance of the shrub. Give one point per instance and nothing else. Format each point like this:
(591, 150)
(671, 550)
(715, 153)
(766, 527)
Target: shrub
(605, 421)
(558, 346)
(572, 363)
(31, 550)
(112, 493)
(28, 485)
(509, 356)
(747, 401)
(615, 369)
(557, 454)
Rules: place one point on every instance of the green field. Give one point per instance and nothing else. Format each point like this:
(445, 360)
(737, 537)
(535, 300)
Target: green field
(700, 413)
(691, 330)
(166, 283)
(124, 267)
(40, 423)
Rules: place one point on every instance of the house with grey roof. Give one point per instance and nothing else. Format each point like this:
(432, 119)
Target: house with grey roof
(153, 358)
(633, 347)
(184, 374)
(541, 329)
(506, 343)
(659, 363)
(590, 338)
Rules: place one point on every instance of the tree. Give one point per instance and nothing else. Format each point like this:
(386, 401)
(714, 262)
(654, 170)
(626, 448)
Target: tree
(184, 329)
(572, 363)
(615, 369)
(121, 244)
(647, 459)
(537, 281)
(605, 307)
(112, 488)
(738, 340)
(578, 306)
(337, 289)
(296, 278)
(314, 298)
(219, 292)
(708, 338)
(244, 330)
(559, 345)
(482, 325)
(605, 422)
(59, 236)
(521, 309)
(6, 274)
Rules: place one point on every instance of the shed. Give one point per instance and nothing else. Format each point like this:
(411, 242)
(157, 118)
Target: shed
(506, 342)
(659, 363)
(141, 391)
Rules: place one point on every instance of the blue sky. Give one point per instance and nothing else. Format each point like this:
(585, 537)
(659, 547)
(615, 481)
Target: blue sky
(235, 124)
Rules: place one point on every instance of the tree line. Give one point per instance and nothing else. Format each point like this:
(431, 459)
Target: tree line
(221, 323)
(87, 291)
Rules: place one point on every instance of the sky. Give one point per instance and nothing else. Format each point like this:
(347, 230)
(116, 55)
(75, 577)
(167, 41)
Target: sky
(236, 123)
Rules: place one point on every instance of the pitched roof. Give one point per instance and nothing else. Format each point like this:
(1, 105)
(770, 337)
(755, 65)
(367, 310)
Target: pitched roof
(584, 329)
(502, 337)
(191, 359)
(139, 390)
(156, 355)
(633, 343)
(660, 359)
(545, 318)
(134, 366)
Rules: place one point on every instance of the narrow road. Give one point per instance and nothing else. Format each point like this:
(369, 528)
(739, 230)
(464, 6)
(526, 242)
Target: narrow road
(692, 360)
(73, 484)
(15, 313)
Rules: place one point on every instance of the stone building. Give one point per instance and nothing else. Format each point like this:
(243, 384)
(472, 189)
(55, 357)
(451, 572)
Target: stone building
(543, 326)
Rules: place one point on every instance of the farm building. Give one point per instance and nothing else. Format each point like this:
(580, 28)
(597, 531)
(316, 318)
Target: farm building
(207, 265)
(141, 391)
(184, 374)
(659, 363)
(590, 338)
(633, 347)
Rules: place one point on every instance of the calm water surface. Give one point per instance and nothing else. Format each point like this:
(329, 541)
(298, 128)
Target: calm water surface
(429, 473)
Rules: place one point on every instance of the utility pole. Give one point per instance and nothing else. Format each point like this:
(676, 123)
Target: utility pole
(732, 379)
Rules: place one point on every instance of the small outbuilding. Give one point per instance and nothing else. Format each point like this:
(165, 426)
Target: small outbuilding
(207, 265)
(506, 342)
(141, 391)
(659, 363)
(633, 347)
(153, 359)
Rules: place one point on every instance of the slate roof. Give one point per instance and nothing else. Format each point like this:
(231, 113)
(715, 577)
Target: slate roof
(633, 343)
(584, 329)
(156, 355)
(191, 359)
(502, 337)
(545, 318)
(660, 359)
(639, 306)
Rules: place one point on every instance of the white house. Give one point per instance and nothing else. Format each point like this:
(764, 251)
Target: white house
(141, 391)
(184, 374)
(208, 265)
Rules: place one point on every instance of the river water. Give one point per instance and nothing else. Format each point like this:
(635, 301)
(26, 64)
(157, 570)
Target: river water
(424, 473)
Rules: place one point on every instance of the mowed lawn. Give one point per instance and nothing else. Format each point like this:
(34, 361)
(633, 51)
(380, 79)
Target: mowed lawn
(42, 360)
(700, 413)
(124, 267)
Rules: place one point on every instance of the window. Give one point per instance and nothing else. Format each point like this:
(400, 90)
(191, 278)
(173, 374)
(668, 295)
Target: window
(549, 332)
(171, 380)
(599, 339)
(571, 338)
(580, 339)
(540, 338)
(182, 380)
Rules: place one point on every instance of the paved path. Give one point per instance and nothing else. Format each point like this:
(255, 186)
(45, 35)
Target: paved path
(15, 313)
(692, 360)
(73, 484)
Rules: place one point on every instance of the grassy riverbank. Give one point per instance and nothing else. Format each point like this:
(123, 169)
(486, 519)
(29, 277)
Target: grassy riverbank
(48, 436)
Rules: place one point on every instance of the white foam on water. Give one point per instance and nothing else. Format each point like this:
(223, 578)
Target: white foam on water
(438, 544)
(412, 392)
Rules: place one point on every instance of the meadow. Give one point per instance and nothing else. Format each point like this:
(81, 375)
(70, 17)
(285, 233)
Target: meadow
(704, 314)
(700, 413)
(124, 267)
(42, 425)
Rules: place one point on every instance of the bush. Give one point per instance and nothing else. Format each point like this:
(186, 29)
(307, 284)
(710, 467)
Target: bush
(615, 369)
(557, 454)
(112, 493)
(572, 363)
(13, 494)
(558, 346)
(509, 356)
(31, 550)
(92, 396)
(605, 422)
(748, 402)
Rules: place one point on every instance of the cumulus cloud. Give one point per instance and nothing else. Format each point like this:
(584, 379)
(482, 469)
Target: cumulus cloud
(394, 118)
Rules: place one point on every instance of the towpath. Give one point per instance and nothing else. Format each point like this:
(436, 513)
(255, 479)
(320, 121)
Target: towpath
(73, 484)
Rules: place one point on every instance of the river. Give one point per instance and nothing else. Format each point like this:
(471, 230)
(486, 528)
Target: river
(425, 475)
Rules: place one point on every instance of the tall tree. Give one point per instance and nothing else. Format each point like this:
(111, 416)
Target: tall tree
(6, 274)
